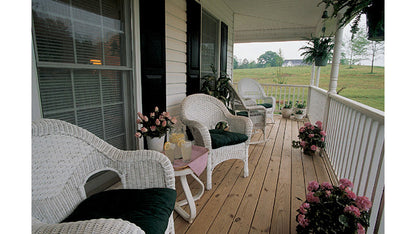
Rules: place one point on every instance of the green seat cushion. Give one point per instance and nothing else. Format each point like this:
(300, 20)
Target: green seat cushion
(242, 113)
(149, 209)
(220, 138)
(266, 105)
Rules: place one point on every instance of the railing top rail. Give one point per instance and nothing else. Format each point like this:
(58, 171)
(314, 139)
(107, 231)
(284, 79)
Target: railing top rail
(287, 85)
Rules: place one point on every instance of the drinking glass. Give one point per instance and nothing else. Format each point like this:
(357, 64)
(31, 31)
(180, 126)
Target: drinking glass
(171, 152)
(186, 149)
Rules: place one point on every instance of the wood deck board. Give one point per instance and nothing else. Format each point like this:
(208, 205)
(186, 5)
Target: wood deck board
(266, 200)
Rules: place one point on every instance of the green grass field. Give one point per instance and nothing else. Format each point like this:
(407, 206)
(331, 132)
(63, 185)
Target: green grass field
(360, 85)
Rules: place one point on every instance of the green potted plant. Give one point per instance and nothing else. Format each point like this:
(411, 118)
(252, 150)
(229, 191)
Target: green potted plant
(353, 9)
(287, 109)
(299, 114)
(218, 88)
(300, 106)
(318, 50)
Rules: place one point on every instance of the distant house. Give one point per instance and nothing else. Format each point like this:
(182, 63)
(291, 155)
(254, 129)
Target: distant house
(294, 62)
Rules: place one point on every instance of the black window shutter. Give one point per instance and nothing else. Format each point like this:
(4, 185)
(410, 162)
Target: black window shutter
(153, 54)
(193, 79)
(224, 43)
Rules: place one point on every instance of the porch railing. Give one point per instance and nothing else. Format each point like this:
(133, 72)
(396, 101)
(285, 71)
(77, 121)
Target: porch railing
(355, 140)
(355, 146)
(285, 93)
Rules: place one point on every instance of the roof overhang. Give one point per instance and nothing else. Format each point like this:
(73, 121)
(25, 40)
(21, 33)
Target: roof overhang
(277, 20)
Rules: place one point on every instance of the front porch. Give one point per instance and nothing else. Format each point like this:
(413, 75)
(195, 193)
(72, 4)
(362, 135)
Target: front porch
(265, 201)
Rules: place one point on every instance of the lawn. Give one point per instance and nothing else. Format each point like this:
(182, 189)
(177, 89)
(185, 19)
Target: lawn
(360, 85)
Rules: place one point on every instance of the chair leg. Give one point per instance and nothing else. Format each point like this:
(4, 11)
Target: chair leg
(209, 177)
(246, 164)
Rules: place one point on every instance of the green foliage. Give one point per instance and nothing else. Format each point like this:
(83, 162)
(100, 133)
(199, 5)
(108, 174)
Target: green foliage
(270, 59)
(299, 112)
(300, 105)
(287, 105)
(317, 47)
(218, 88)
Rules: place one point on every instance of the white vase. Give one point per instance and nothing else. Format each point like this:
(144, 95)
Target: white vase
(155, 143)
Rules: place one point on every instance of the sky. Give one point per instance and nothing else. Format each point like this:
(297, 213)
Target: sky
(290, 50)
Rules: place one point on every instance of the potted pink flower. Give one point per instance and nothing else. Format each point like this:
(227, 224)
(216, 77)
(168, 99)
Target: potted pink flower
(311, 138)
(154, 128)
(333, 209)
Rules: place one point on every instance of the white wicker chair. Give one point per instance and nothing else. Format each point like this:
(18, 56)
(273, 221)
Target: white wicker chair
(256, 113)
(64, 156)
(201, 112)
(251, 89)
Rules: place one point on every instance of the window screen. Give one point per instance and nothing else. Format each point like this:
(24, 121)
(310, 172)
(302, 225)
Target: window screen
(84, 71)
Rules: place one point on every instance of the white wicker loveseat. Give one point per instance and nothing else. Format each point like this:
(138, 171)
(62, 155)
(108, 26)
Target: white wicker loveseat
(64, 156)
(201, 112)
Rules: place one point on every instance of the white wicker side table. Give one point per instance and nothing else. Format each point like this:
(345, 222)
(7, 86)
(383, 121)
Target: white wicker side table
(196, 165)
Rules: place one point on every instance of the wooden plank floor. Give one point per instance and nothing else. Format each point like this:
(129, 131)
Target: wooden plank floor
(265, 201)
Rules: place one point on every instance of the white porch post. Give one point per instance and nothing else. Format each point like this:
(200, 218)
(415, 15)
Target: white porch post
(335, 62)
(318, 74)
(313, 74)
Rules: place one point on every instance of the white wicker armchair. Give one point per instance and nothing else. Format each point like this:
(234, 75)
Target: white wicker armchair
(256, 113)
(64, 156)
(251, 89)
(201, 112)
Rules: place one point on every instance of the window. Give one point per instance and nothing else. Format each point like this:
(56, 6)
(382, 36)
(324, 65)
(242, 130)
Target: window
(84, 68)
(210, 43)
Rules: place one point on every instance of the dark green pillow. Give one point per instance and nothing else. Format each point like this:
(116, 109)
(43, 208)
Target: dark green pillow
(149, 209)
(242, 113)
(266, 105)
(220, 138)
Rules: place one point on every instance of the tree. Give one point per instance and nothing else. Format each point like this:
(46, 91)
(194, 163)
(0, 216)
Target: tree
(235, 62)
(375, 48)
(269, 59)
(356, 47)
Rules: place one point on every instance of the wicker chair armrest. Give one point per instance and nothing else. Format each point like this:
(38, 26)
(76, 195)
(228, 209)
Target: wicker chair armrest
(200, 133)
(256, 108)
(145, 169)
(271, 100)
(88, 226)
(240, 124)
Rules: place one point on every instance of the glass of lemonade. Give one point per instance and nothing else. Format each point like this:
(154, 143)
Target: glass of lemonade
(186, 150)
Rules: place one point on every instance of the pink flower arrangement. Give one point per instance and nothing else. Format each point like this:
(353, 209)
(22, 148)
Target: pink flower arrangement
(342, 210)
(156, 125)
(311, 137)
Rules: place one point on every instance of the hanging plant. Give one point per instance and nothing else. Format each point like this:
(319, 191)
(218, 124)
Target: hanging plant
(353, 9)
(318, 50)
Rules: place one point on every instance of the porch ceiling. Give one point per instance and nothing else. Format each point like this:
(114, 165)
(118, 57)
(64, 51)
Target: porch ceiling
(276, 20)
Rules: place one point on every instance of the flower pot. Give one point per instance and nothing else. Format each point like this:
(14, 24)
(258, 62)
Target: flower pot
(155, 143)
(299, 116)
(309, 152)
(321, 61)
(286, 112)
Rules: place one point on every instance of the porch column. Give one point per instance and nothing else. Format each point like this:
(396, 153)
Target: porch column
(313, 74)
(335, 62)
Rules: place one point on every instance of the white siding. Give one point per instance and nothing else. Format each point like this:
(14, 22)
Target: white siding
(176, 46)
(175, 54)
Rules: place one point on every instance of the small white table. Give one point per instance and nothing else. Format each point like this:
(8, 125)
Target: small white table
(182, 171)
